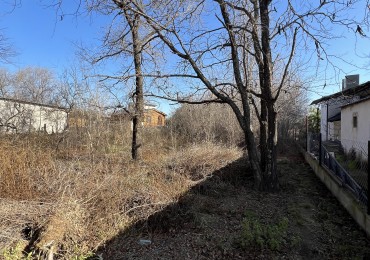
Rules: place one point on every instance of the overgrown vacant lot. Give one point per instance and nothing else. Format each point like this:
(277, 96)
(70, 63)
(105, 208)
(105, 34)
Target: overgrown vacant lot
(71, 199)
(194, 202)
(224, 218)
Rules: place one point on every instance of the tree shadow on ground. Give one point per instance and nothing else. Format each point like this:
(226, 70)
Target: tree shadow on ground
(207, 221)
(138, 240)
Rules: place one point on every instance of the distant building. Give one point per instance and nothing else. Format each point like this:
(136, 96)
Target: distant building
(18, 116)
(152, 116)
(77, 119)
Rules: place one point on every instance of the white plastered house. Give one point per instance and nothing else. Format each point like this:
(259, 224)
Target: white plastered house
(17, 116)
(345, 116)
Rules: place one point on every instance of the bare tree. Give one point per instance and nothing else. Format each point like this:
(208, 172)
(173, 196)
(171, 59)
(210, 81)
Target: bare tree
(12, 117)
(206, 122)
(292, 109)
(5, 82)
(261, 32)
(240, 51)
(35, 85)
(126, 39)
(73, 89)
(134, 21)
(6, 50)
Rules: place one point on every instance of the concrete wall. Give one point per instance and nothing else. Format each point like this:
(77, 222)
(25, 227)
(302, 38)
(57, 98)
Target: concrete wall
(347, 200)
(356, 137)
(19, 117)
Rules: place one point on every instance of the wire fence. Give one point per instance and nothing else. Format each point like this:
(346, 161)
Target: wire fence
(346, 159)
(313, 144)
(355, 150)
(354, 158)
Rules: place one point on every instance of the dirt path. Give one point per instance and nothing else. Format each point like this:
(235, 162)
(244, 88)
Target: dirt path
(303, 221)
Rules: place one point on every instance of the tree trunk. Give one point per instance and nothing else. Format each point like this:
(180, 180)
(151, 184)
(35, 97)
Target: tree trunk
(270, 174)
(136, 138)
(263, 136)
(139, 96)
(266, 175)
(253, 157)
(269, 162)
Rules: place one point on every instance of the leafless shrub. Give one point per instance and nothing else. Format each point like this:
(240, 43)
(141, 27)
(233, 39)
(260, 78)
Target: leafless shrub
(207, 122)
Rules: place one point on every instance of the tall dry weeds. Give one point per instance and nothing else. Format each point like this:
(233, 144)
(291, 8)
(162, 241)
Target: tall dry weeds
(73, 204)
(23, 169)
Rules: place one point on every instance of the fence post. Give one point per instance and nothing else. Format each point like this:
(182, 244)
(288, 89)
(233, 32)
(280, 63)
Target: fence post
(307, 150)
(368, 177)
(320, 150)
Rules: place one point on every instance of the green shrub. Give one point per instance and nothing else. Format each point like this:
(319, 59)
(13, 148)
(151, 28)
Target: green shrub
(352, 165)
(340, 158)
(259, 235)
(15, 253)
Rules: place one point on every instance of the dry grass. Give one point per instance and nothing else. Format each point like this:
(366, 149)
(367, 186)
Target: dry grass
(20, 167)
(72, 204)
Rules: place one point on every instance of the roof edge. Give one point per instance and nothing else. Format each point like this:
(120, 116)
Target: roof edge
(160, 112)
(32, 103)
(356, 102)
(346, 92)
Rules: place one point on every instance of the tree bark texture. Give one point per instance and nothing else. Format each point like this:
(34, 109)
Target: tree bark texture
(268, 157)
(137, 120)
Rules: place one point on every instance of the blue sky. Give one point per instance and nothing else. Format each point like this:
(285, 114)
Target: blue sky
(42, 39)
(352, 48)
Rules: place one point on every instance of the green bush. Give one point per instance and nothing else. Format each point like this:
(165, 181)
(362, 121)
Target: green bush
(352, 165)
(259, 235)
(15, 253)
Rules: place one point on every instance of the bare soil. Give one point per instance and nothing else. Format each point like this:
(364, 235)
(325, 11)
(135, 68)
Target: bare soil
(207, 222)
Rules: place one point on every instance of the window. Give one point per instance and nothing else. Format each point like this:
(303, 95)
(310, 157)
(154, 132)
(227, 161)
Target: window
(354, 120)
(160, 120)
(148, 120)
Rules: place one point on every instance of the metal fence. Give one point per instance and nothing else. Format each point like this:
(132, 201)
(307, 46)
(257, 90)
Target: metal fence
(313, 144)
(347, 161)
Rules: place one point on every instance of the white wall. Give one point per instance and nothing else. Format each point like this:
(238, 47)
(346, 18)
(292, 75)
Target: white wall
(329, 130)
(356, 137)
(24, 117)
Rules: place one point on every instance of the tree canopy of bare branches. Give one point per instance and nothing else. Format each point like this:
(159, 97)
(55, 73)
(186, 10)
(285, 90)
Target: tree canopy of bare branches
(250, 47)
(35, 85)
(126, 38)
(6, 50)
(238, 52)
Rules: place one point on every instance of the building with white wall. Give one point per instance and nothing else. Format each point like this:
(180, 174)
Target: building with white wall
(330, 120)
(355, 126)
(345, 116)
(17, 116)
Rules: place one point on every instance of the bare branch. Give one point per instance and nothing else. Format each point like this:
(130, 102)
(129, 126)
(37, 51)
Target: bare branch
(287, 65)
(186, 101)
